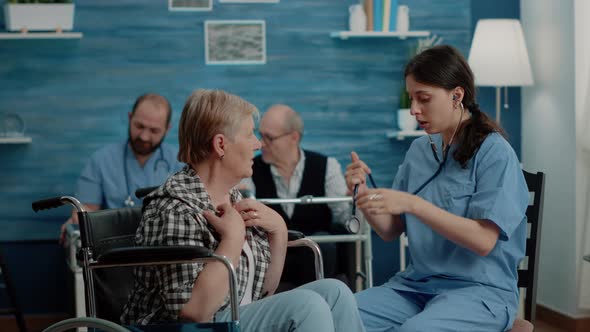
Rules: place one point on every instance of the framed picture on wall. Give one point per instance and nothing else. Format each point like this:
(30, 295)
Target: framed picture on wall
(249, 1)
(190, 5)
(235, 42)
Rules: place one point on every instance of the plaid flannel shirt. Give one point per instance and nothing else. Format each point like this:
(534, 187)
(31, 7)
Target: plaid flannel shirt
(172, 215)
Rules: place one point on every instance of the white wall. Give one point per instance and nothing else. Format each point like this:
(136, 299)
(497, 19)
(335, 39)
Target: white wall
(582, 64)
(549, 145)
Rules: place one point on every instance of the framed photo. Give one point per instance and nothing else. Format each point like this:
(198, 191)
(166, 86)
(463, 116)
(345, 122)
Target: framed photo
(235, 42)
(249, 1)
(190, 5)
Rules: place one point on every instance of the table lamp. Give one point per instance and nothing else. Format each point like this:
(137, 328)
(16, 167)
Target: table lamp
(499, 56)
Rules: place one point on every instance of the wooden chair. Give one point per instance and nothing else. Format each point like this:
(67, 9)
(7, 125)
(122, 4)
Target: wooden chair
(527, 273)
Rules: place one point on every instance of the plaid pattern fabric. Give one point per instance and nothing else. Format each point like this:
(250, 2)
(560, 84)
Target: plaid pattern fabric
(172, 215)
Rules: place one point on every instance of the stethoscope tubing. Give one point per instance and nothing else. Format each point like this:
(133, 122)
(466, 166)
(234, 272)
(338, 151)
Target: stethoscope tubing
(129, 201)
(445, 152)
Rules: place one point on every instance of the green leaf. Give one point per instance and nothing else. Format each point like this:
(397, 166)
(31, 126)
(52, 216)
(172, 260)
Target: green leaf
(404, 98)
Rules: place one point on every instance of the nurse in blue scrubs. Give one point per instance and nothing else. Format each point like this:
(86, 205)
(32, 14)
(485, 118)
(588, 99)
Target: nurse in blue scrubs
(461, 198)
(113, 173)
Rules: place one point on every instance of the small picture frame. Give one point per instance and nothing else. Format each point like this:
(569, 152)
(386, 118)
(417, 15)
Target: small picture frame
(249, 1)
(235, 42)
(190, 5)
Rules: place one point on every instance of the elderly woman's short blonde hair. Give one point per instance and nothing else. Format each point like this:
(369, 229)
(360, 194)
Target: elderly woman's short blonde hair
(207, 113)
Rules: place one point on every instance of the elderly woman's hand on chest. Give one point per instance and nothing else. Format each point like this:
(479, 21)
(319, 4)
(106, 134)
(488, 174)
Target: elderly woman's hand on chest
(228, 222)
(257, 214)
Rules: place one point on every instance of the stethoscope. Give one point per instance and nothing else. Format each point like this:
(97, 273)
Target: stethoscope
(160, 161)
(445, 153)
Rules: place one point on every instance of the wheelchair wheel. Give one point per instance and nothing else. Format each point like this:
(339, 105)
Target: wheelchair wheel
(72, 323)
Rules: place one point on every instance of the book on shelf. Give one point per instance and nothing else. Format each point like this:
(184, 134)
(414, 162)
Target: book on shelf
(386, 14)
(392, 15)
(369, 13)
(377, 15)
(381, 15)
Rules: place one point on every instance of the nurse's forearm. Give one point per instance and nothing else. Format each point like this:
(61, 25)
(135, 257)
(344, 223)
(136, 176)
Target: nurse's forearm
(388, 227)
(479, 236)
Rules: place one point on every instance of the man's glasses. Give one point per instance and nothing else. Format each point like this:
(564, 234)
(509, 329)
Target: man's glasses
(270, 139)
(353, 225)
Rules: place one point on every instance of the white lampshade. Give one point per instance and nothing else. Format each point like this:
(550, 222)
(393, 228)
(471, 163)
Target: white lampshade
(498, 55)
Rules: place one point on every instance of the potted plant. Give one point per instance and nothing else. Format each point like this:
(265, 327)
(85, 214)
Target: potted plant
(39, 15)
(405, 120)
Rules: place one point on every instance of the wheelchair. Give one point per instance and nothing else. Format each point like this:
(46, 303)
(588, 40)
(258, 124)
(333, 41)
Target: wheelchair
(108, 255)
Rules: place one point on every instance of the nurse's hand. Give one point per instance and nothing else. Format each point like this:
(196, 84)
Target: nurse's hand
(356, 173)
(74, 220)
(385, 202)
(62, 236)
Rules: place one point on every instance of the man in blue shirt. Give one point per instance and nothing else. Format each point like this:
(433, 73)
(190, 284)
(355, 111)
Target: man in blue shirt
(114, 172)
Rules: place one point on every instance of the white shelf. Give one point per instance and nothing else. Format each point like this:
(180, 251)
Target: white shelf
(16, 140)
(378, 34)
(402, 134)
(41, 35)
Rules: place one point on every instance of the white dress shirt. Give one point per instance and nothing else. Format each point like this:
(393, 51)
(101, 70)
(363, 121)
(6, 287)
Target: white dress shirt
(335, 186)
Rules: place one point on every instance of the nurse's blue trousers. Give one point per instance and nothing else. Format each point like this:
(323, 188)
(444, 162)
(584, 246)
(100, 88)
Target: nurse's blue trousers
(464, 309)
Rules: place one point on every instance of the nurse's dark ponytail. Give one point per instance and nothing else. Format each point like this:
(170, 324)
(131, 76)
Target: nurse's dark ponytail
(444, 66)
(473, 133)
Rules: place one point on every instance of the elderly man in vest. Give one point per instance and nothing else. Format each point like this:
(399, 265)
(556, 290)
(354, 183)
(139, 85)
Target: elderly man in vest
(285, 170)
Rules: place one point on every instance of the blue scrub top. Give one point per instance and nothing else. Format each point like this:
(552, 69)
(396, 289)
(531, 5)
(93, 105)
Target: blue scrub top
(492, 187)
(104, 182)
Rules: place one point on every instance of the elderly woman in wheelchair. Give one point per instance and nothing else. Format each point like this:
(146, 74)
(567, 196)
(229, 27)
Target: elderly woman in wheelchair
(200, 206)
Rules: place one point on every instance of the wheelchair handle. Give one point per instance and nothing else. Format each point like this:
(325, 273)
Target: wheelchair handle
(55, 202)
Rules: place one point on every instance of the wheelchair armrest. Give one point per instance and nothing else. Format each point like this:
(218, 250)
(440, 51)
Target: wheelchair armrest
(145, 255)
(298, 239)
(295, 235)
(148, 255)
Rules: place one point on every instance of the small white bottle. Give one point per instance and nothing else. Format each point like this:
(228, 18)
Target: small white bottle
(357, 20)
(403, 19)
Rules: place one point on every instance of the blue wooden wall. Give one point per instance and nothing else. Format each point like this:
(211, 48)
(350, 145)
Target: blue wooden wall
(74, 95)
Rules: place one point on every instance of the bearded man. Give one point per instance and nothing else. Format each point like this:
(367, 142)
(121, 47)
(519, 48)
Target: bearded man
(114, 172)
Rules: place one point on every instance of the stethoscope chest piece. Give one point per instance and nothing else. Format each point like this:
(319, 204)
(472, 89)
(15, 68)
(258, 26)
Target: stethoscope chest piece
(129, 202)
(353, 225)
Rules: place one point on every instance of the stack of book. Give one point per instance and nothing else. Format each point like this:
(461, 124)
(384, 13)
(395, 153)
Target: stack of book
(381, 15)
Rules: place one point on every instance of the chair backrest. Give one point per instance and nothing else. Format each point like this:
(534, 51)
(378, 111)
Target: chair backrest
(109, 229)
(527, 275)
(112, 228)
